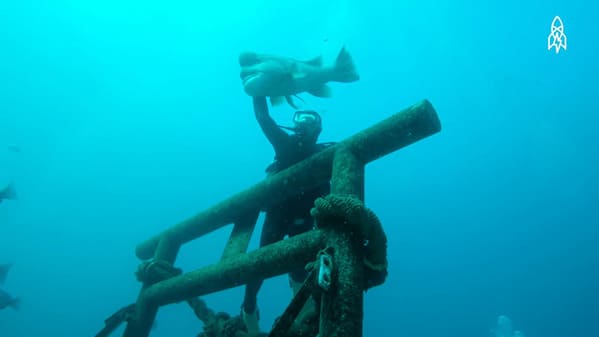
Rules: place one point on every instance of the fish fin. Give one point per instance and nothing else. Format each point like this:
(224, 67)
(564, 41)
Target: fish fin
(316, 62)
(322, 91)
(4, 268)
(344, 69)
(299, 76)
(295, 73)
(291, 102)
(276, 100)
(298, 97)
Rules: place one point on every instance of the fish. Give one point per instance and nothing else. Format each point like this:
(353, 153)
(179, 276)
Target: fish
(6, 300)
(14, 148)
(282, 78)
(8, 192)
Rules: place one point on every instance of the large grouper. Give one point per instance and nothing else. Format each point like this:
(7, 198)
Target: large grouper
(278, 77)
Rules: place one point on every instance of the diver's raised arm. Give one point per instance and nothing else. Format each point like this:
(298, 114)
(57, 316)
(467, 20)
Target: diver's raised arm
(276, 136)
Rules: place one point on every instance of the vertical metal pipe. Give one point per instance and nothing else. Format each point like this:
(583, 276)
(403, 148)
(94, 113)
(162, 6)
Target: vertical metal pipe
(348, 174)
(145, 312)
(342, 307)
(241, 235)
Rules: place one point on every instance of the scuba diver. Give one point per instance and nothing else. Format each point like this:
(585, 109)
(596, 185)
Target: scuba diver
(504, 328)
(8, 193)
(291, 216)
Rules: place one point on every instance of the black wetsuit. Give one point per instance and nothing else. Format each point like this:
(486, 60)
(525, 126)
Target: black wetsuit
(291, 216)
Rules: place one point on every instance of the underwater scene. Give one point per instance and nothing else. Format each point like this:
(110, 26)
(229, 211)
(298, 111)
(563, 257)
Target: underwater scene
(335, 168)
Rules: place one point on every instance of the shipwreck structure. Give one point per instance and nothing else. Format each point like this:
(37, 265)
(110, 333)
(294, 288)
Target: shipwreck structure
(346, 253)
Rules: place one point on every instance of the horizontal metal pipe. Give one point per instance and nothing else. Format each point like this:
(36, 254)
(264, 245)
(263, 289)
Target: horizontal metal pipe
(400, 130)
(268, 261)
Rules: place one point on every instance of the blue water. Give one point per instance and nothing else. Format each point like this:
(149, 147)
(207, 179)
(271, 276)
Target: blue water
(130, 117)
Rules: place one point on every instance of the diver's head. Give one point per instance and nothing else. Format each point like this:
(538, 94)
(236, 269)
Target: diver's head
(307, 124)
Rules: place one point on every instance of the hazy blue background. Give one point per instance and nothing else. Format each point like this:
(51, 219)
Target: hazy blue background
(131, 117)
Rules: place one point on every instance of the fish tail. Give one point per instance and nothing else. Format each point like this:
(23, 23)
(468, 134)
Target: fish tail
(344, 69)
(15, 303)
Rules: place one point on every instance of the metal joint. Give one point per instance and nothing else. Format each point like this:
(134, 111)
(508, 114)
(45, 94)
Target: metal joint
(325, 271)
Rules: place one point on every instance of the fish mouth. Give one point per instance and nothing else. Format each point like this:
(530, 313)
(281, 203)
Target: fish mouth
(249, 77)
(253, 84)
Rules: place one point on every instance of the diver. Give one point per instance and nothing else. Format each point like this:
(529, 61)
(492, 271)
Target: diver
(504, 328)
(8, 193)
(291, 216)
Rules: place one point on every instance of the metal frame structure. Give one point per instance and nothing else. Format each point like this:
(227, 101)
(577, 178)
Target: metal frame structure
(341, 308)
